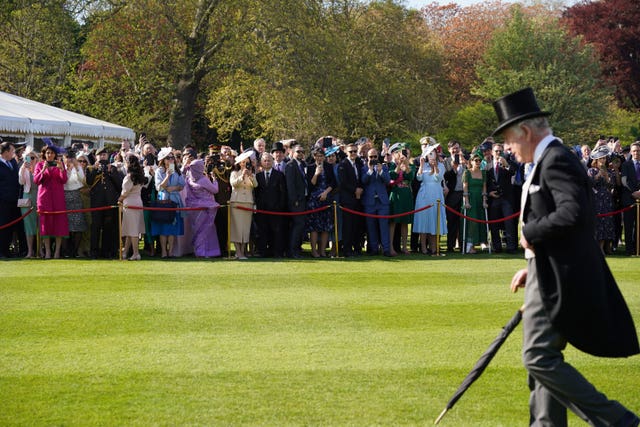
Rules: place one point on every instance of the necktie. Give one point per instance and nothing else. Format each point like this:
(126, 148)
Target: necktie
(355, 169)
(267, 178)
(11, 167)
(638, 171)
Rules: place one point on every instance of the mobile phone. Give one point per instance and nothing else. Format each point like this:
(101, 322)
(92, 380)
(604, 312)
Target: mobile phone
(27, 159)
(456, 158)
(52, 163)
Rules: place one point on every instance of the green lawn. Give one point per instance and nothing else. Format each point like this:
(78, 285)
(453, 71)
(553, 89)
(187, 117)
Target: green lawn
(360, 342)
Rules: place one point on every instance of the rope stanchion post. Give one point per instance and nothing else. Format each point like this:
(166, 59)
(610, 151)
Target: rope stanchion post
(120, 231)
(229, 230)
(638, 227)
(438, 228)
(335, 228)
(463, 249)
(489, 240)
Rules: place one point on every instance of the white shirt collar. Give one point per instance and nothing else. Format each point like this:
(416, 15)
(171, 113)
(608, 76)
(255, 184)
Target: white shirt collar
(542, 145)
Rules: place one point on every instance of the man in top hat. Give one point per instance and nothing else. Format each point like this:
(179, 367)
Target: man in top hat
(279, 159)
(570, 293)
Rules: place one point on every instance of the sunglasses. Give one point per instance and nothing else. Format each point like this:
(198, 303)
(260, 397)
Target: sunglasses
(352, 151)
(373, 157)
(299, 152)
(82, 161)
(477, 160)
(170, 158)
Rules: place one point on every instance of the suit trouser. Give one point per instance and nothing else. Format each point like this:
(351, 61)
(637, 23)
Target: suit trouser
(378, 228)
(629, 218)
(454, 201)
(501, 208)
(555, 385)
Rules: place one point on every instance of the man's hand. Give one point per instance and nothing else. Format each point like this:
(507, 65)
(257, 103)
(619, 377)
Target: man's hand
(519, 279)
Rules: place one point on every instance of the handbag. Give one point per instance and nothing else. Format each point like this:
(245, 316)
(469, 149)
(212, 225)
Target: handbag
(24, 203)
(164, 217)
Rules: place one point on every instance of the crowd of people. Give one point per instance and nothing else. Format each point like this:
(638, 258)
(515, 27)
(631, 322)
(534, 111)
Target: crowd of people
(388, 198)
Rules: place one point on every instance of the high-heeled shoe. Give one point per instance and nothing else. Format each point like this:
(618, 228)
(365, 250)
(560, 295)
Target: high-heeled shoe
(135, 258)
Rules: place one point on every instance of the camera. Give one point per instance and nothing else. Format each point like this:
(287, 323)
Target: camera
(52, 163)
(456, 158)
(149, 160)
(405, 152)
(373, 162)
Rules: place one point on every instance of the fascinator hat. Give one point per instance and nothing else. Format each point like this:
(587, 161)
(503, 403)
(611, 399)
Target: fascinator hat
(164, 152)
(600, 152)
(244, 156)
(331, 150)
(428, 144)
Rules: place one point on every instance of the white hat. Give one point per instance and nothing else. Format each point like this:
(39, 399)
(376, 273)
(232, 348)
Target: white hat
(428, 145)
(164, 152)
(245, 155)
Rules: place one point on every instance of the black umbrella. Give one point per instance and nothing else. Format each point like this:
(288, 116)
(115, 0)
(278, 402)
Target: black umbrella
(483, 362)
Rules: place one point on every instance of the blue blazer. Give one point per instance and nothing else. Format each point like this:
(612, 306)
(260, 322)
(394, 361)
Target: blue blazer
(375, 186)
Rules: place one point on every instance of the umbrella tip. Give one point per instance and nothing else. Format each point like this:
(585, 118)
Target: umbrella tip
(444, 411)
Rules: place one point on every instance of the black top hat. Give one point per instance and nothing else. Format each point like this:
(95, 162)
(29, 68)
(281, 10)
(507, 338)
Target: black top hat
(515, 107)
(278, 146)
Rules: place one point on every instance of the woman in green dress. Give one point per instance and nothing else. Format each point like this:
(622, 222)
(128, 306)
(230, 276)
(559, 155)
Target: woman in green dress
(401, 172)
(30, 191)
(474, 191)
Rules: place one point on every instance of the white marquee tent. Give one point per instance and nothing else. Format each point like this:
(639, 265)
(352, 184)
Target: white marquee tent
(23, 117)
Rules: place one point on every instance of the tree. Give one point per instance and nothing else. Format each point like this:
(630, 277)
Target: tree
(612, 27)
(38, 44)
(563, 71)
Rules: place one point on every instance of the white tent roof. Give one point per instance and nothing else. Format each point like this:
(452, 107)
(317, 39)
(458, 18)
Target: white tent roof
(23, 116)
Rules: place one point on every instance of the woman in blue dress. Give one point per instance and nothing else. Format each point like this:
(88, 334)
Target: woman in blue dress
(169, 182)
(431, 175)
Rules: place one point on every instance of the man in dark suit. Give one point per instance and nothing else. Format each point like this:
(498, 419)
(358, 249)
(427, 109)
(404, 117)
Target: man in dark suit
(630, 173)
(9, 194)
(454, 170)
(105, 184)
(570, 293)
(297, 190)
(500, 192)
(349, 171)
(271, 195)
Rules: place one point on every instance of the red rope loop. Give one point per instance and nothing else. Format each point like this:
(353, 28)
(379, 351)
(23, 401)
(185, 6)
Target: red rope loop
(483, 221)
(17, 220)
(385, 216)
(320, 209)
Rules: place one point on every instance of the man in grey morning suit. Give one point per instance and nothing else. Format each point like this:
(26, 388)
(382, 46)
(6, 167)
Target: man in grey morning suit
(570, 293)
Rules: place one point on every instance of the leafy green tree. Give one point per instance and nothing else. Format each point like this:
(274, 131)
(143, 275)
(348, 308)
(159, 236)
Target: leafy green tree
(38, 45)
(563, 71)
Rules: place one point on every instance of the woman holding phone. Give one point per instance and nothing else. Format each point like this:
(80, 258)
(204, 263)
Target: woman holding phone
(50, 175)
(169, 182)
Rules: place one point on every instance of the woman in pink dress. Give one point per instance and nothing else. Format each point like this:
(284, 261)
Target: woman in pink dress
(132, 219)
(50, 175)
(200, 193)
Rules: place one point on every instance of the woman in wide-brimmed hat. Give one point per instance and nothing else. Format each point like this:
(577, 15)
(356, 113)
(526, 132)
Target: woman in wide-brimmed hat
(603, 182)
(169, 182)
(243, 181)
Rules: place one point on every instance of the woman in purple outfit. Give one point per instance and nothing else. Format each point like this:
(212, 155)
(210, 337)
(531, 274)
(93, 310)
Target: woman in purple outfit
(200, 194)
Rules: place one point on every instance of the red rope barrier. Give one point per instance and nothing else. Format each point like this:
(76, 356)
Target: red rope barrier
(17, 220)
(101, 208)
(483, 221)
(385, 216)
(619, 211)
(320, 209)
(150, 208)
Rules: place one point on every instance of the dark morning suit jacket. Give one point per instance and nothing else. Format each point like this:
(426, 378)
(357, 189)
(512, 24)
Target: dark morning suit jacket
(577, 288)
(628, 170)
(502, 181)
(296, 187)
(271, 196)
(9, 194)
(348, 184)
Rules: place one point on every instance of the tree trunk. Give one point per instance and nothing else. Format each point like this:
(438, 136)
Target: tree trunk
(183, 111)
